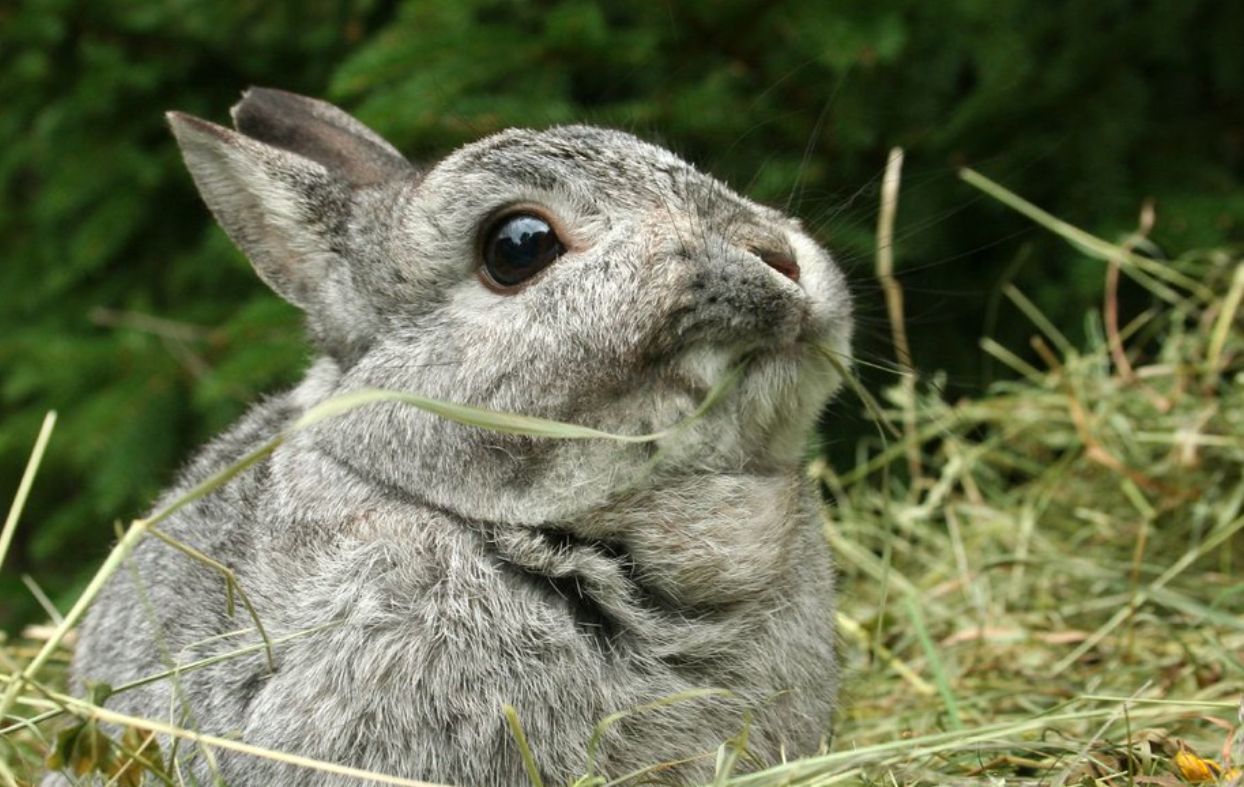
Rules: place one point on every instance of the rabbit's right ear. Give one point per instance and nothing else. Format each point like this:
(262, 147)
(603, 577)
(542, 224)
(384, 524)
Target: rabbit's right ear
(321, 132)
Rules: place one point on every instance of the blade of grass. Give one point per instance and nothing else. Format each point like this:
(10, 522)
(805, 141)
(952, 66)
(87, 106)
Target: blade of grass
(598, 733)
(940, 678)
(894, 308)
(850, 627)
(868, 562)
(7, 776)
(637, 776)
(821, 768)
(728, 756)
(1038, 319)
(111, 564)
(529, 760)
(1085, 748)
(857, 388)
(1222, 326)
(1202, 705)
(23, 488)
(1195, 609)
(87, 710)
(164, 675)
(1032, 373)
(1091, 245)
(232, 587)
(509, 423)
(42, 599)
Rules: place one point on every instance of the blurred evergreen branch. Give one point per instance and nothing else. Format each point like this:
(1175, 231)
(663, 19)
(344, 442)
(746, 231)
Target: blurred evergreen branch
(126, 311)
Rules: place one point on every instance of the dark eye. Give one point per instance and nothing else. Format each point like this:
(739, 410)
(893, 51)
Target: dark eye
(518, 247)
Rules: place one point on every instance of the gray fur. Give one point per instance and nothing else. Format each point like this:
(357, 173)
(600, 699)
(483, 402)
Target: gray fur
(451, 569)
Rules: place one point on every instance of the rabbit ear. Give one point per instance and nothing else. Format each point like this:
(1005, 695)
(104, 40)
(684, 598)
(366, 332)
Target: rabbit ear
(321, 132)
(278, 207)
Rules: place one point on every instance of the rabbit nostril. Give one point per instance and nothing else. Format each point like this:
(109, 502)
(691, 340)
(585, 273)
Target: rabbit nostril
(781, 263)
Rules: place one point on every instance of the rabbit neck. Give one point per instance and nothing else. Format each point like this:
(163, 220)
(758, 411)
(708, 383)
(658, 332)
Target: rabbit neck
(689, 544)
(669, 562)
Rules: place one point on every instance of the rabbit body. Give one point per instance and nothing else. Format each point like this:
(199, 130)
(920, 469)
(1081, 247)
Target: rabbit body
(416, 574)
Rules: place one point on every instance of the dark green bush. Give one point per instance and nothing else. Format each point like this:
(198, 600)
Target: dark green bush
(127, 312)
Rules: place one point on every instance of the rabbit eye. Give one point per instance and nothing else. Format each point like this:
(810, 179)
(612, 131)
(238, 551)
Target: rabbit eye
(518, 247)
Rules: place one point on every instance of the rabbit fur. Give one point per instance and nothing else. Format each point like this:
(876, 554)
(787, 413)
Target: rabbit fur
(418, 574)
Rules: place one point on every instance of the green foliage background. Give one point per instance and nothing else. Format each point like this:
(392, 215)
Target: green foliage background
(122, 307)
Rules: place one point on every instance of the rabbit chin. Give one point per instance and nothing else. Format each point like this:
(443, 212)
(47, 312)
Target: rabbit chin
(762, 423)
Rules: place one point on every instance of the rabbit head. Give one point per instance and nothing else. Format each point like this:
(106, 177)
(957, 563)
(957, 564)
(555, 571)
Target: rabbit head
(574, 273)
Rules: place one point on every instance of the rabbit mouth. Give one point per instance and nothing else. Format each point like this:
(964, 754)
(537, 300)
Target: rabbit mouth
(792, 364)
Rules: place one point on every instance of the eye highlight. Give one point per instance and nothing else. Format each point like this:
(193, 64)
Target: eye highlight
(518, 246)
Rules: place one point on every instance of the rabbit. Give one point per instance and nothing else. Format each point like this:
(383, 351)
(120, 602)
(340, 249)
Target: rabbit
(415, 574)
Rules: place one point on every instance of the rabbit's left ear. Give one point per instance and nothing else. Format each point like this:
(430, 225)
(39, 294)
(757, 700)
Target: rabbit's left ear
(321, 132)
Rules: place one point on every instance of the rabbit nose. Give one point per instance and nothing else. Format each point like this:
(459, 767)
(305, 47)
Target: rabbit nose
(781, 261)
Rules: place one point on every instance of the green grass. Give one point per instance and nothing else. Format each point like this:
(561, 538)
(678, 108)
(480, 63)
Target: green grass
(1040, 584)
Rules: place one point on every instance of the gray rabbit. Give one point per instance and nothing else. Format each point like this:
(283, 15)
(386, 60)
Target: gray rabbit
(419, 574)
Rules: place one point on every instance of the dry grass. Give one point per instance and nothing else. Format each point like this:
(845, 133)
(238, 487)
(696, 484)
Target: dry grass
(1056, 591)
(1040, 585)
